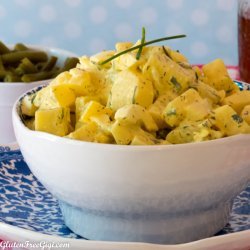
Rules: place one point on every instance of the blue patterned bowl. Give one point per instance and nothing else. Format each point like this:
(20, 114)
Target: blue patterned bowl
(162, 194)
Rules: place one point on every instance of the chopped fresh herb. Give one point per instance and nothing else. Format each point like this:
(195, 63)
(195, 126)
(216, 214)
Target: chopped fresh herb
(185, 65)
(175, 83)
(196, 76)
(141, 45)
(171, 112)
(166, 52)
(138, 55)
(133, 98)
(62, 115)
(237, 118)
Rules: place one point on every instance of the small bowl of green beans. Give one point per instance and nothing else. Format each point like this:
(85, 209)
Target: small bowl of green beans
(23, 67)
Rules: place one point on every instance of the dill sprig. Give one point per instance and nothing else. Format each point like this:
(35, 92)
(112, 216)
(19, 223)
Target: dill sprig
(141, 45)
(138, 55)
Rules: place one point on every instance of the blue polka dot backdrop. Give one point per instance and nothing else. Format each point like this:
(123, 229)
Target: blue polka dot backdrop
(89, 26)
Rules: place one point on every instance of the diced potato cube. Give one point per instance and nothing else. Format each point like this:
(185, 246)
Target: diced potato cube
(123, 46)
(103, 122)
(175, 112)
(166, 74)
(177, 56)
(136, 115)
(207, 91)
(131, 87)
(77, 80)
(91, 133)
(86, 132)
(156, 109)
(93, 108)
(27, 106)
(125, 61)
(81, 102)
(245, 114)
(102, 56)
(229, 122)
(55, 121)
(192, 132)
(64, 95)
(238, 100)
(197, 111)
(122, 134)
(217, 76)
(142, 140)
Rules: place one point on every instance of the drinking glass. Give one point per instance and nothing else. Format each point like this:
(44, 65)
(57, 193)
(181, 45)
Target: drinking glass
(244, 39)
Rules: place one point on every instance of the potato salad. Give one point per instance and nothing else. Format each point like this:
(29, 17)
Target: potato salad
(156, 99)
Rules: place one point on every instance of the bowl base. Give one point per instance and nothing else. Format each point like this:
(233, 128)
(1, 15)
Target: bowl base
(163, 229)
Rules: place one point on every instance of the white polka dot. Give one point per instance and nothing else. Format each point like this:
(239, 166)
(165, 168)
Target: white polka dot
(123, 3)
(229, 61)
(49, 42)
(225, 34)
(98, 14)
(97, 45)
(23, 28)
(23, 3)
(226, 5)
(123, 31)
(2, 12)
(72, 30)
(174, 4)
(199, 49)
(199, 17)
(47, 13)
(73, 3)
(148, 15)
(173, 29)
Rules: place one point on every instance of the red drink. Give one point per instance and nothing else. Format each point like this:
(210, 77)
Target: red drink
(244, 40)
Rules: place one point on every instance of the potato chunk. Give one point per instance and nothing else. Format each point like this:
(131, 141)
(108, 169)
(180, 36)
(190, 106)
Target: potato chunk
(55, 121)
(167, 74)
(131, 87)
(245, 114)
(93, 108)
(229, 122)
(136, 115)
(188, 105)
(27, 105)
(217, 76)
(238, 100)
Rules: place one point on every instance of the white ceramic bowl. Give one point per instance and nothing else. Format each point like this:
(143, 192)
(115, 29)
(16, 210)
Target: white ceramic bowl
(163, 194)
(9, 92)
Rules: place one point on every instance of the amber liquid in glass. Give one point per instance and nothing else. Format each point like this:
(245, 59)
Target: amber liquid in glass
(244, 45)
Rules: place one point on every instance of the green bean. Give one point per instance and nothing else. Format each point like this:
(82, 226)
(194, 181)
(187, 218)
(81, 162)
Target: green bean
(50, 64)
(2, 74)
(69, 63)
(40, 65)
(3, 48)
(20, 47)
(34, 56)
(10, 77)
(38, 76)
(1, 64)
(26, 67)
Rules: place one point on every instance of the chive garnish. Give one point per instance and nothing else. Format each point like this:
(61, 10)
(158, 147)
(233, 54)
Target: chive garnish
(138, 55)
(141, 45)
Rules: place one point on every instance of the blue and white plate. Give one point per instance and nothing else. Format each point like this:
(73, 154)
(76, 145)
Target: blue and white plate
(26, 205)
